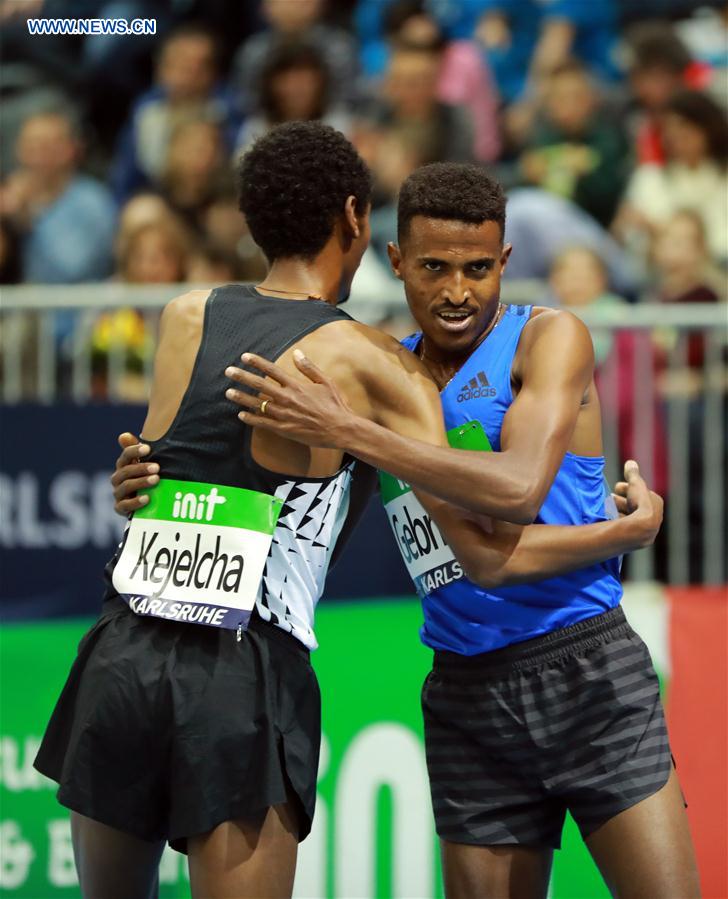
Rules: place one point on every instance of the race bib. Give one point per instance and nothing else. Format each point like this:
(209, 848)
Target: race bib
(196, 553)
(429, 560)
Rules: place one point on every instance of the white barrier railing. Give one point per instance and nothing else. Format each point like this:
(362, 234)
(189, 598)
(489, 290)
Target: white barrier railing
(663, 390)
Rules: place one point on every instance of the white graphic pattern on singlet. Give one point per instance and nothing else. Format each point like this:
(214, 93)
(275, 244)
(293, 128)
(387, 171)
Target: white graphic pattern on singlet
(303, 541)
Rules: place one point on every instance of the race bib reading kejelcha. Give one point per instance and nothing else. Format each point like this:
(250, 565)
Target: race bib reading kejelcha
(429, 560)
(196, 553)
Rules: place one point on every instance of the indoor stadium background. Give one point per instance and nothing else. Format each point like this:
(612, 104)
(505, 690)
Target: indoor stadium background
(604, 119)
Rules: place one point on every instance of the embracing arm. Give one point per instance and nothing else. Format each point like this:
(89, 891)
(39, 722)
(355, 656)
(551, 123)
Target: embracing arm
(407, 407)
(493, 553)
(510, 485)
(496, 554)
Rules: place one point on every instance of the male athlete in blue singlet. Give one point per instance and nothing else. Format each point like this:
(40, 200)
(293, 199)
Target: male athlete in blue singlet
(541, 698)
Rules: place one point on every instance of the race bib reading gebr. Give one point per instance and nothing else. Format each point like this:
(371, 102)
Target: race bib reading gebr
(429, 560)
(196, 553)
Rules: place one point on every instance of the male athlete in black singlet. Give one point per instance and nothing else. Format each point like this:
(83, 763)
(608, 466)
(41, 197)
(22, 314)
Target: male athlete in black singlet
(192, 711)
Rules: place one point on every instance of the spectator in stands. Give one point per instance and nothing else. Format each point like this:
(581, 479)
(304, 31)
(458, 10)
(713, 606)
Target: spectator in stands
(683, 271)
(705, 34)
(223, 226)
(405, 127)
(575, 149)
(66, 219)
(211, 264)
(186, 89)
(572, 28)
(507, 32)
(153, 249)
(295, 85)
(154, 253)
(142, 209)
(526, 39)
(391, 158)
(657, 65)
(695, 176)
(410, 108)
(456, 20)
(541, 225)
(227, 229)
(196, 172)
(302, 19)
(464, 77)
(579, 279)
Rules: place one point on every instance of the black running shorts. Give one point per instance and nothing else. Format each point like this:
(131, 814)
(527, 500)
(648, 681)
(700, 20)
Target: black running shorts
(165, 730)
(518, 736)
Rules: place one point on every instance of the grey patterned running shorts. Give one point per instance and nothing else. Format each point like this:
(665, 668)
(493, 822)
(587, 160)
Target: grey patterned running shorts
(518, 736)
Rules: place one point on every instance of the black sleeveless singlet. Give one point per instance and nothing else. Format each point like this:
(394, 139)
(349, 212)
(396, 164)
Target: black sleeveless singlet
(208, 443)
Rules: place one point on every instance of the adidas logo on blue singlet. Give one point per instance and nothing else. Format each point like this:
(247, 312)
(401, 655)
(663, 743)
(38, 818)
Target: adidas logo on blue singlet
(475, 388)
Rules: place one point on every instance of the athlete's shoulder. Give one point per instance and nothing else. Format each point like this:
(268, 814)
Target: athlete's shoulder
(186, 305)
(557, 326)
(182, 318)
(366, 347)
(553, 340)
(375, 361)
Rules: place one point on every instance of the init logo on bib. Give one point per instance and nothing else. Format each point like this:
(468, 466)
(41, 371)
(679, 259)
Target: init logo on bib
(196, 553)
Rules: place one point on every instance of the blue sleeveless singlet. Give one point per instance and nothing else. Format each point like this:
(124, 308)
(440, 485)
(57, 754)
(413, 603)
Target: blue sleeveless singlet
(464, 618)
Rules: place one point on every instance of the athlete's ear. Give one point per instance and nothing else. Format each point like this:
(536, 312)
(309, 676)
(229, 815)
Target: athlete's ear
(350, 214)
(505, 256)
(395, 259)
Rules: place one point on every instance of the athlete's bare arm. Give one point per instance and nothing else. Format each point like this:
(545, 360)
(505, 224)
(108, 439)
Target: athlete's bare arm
(395, 389)
(405, 400)
(496, 553)
(180, 332)
(493, 553)
(555, 373)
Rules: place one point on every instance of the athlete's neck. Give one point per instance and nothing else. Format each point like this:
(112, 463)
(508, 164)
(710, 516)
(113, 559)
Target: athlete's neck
(302, 279)
(442, 364)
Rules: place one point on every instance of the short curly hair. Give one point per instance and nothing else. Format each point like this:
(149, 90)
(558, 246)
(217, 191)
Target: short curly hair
(455, 191)
(293, 183)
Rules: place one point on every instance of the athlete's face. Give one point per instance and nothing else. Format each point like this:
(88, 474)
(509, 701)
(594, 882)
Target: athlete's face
(452, 273)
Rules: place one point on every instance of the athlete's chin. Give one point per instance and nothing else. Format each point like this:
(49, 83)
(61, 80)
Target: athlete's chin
(450, 340)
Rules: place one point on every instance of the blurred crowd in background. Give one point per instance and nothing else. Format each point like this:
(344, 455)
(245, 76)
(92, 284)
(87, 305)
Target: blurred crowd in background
(604, 119)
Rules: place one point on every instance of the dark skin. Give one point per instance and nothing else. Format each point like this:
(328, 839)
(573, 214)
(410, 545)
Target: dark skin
(388, 386)
(256, 856)
(452, 267)
(383, 385)
(452, 270)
